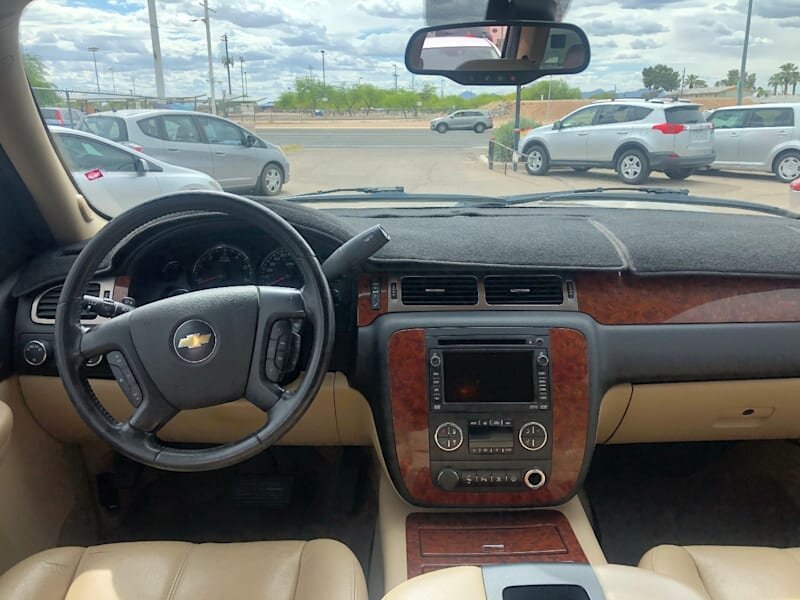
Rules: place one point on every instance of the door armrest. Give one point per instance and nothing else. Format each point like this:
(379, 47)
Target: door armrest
(6, 425)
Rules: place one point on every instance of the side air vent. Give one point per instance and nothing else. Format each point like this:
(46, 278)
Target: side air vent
(524, 289)
(48, 302)
(439, 290)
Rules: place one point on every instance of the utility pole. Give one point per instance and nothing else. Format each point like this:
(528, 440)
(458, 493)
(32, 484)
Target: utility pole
(227, 63)
(683, 82)
(742, 71)
(133, 85)
(323, 69)
(441, 93)
(154, 37)
(113, 83)
(245, 84)
(241, 69)
(94, 51)
(395, 77)
(310, 72)
(212, 100)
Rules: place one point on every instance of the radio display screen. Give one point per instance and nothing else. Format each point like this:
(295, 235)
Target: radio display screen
(487, 377)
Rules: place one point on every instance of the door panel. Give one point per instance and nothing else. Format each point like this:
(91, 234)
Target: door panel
(610, 129)
(728, 128)
(185, 146)
(570, 143)
(235, 164)
(765, 129)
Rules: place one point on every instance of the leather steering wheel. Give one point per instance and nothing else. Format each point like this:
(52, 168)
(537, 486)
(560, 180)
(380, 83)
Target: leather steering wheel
(200, 349)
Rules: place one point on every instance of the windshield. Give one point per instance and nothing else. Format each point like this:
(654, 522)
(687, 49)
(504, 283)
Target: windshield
(284, 99)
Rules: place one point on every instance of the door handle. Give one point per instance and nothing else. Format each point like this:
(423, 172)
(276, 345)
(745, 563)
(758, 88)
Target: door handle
(173, 149)
(582, 133)
(623, 132)
(221, 153)
(783, 133)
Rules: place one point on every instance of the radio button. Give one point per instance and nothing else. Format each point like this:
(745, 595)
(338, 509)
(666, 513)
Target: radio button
(483, 478)
(513, 478)
(469, 479)
(448, 437)
(533, 436)
(436, 360)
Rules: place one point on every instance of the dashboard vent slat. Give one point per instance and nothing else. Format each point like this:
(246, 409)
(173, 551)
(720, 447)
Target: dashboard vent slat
(524, 289)
(48, 302)
(439, 290)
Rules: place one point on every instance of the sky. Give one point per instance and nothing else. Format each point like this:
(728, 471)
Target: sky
(365, 39)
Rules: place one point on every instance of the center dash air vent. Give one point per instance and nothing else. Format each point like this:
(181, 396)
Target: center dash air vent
(439, 290)
(524, 289)
(48, 302)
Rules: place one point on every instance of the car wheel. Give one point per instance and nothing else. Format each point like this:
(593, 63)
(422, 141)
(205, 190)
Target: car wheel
(442, 128)
(271, 182)
(678, 173)
(580, 169)
(537, 162)
(480, 128)
(787, 166)
(633, 167)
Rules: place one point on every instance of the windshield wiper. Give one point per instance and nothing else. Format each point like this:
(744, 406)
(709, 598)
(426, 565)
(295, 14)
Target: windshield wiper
(398, 189)
(641, 194)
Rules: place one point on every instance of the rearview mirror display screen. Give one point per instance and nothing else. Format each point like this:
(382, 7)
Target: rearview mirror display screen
(487, 377)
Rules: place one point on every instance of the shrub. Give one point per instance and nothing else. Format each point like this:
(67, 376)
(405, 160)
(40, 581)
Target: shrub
(505, 135)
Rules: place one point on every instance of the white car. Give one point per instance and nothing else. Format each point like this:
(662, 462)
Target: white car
(115, 178)
(452, 51)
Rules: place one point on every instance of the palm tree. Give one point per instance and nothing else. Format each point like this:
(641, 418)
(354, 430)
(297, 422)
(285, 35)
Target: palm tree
(774, 82)
(794, 79)
(693, 81)
(788, 72)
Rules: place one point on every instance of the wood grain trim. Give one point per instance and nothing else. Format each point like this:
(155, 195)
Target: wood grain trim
(366, 314)
(409, 403)
(436, 540)
(614, 299)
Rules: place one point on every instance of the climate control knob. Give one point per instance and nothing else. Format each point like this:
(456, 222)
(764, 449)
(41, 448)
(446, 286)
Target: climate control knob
(534, 478)
(448, 479)
(448, 437)
(533, 436)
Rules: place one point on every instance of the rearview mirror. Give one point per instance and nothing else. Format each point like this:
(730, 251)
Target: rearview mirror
(250, 141)
(498, 53)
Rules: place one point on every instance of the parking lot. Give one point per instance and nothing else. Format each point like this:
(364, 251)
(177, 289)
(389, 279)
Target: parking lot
(426, 162)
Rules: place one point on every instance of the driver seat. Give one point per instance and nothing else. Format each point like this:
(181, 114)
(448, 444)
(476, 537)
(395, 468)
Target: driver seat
(289, 570)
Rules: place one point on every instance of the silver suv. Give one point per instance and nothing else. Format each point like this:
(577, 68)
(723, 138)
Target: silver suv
(237, 158)
(477, 120)
(633, 137)
(761, 137)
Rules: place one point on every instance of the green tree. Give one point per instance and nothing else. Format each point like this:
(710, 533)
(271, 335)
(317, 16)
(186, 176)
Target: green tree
(603, 96)
(38, 77)
(660, 78)
(732, 78)
(692, 81)
(557, 89)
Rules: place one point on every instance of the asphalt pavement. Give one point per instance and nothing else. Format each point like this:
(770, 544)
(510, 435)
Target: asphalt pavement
(374, 138)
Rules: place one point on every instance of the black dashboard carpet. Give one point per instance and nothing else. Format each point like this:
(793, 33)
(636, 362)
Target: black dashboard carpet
(743, 493)
(332, 496)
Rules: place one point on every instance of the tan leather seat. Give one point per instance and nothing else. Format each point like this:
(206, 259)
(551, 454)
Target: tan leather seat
(181, 571)
(730, 572)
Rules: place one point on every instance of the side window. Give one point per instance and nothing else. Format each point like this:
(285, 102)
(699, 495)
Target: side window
(728, 119)
(637, 113)
(181, 128)
(111, 128)
(609, 115)
(581, 118)
(771, 117)
(221, 132)
(149, 127)
(83, 154)
(457, 115)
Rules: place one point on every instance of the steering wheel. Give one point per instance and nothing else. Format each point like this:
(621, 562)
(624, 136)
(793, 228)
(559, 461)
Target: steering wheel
(200, 349)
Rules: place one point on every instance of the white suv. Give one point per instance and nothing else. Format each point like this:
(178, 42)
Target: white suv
(633, 137)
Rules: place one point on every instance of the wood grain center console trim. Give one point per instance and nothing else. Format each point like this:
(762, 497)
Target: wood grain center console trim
(436, 540)
(408, 386)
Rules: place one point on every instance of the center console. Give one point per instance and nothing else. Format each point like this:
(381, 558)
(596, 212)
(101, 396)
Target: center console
(490, 408)
(489, 416)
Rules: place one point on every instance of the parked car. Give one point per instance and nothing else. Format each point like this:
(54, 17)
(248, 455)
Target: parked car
(760, 137)
(477, 120)
(114, 178)
(237, 158)
(633, 137)
(65, 117)
(794, 195)
(448, 52)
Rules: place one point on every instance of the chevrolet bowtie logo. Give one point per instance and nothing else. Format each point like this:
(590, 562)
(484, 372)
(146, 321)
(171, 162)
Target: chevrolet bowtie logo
(194, 340)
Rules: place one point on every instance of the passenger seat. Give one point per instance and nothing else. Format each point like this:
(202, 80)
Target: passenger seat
(730, 572)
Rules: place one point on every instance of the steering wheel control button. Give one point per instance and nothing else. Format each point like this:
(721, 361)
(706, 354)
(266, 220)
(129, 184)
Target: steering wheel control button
(124, 376)
(533, 436)
(35, 353)
(279, 350)
(534, 478)
(448, 437)
(194, 341)
(94, 361)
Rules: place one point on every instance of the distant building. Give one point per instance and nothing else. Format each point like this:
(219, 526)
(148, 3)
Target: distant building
(726, 91)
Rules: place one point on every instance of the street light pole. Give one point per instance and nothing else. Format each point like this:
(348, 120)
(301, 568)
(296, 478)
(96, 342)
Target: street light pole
(742, 71)
(94, 51)
(395, 77)
(154, 37)
(241, 69)
(323, 69)
(212, 100)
